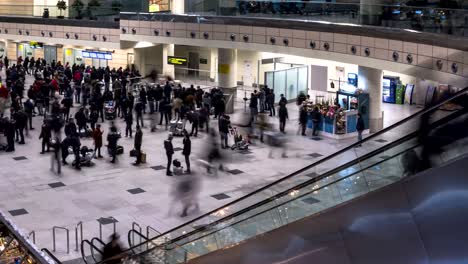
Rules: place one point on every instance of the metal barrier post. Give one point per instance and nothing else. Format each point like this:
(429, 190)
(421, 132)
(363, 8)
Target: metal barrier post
(80, 225)
(68, 237)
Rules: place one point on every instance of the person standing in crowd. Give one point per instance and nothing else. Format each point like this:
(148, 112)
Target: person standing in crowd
(271, 102)
(93, 118)
(316, 118)
(129, 124)
(139, 108)
(67, 103)
(360, 127)
(81, 120)
(224, 125)
(194, 118)
(10, 135)
(253, 107)
(137, 144)
(283, 100)
(97, 137)
(76, 144)
(169, 152)
(187, 150)
(112, 140)
(46, 135)
(64, 145)
(283, 116)
(303, 120)
(29, 109)
(21, 120)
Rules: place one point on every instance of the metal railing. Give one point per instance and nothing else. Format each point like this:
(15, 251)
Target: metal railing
(52, 11)
(52, 256)
(92, 248)
(80, 226)
(68, 237)
(135, 224)
(428, 18)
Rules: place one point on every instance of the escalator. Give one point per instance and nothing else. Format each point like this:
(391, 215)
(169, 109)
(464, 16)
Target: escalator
(378, 161)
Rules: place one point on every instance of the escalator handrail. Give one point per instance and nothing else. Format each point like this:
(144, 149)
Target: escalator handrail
(352, 146)
(52, 256)
(83, 255)
(315, 179)
(129, 237)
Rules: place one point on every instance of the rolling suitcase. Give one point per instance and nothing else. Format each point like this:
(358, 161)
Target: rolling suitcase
(143, 157)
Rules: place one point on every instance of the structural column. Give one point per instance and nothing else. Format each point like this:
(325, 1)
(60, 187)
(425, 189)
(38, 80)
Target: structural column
(168, 69)
(227, 75)
(177, 7)
(370, 81)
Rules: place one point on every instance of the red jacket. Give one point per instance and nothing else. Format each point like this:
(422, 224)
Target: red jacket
(55, 85)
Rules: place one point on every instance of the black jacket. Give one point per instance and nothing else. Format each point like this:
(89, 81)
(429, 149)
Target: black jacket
(168, 146)
(360, 124)
(138, 138)
(187, 146)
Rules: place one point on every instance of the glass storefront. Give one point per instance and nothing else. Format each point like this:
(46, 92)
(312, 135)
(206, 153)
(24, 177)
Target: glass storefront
(290, 82)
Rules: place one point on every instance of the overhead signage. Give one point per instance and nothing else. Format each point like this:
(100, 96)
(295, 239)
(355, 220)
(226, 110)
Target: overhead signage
(180, 61)
(96, 55)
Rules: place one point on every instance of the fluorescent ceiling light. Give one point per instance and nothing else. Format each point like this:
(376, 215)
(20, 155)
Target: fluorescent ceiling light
(144, 44)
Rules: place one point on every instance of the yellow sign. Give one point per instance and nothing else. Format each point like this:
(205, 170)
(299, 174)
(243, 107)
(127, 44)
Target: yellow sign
(177, 61)
(68, 52)
(154, 8)
(224, 68)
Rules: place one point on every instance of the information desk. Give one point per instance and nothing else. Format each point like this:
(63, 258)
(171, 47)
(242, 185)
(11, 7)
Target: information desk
(341, 126)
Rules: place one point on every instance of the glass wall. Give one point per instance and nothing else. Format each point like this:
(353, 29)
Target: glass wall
(290, 82)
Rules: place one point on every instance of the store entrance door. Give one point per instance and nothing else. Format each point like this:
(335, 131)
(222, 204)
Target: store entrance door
(50, 54)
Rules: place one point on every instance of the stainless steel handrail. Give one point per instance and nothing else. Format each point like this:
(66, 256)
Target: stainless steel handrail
(68, 237)
(52, 256)
(134, 224)
(79, 225)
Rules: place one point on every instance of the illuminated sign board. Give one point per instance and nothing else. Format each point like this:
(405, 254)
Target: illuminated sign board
(96, 55)
(36, 45)
(177, 61)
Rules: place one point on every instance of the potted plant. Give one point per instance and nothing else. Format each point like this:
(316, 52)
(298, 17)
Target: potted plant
(92, 6)
(78, 7)
(61, 6)
(116, 7)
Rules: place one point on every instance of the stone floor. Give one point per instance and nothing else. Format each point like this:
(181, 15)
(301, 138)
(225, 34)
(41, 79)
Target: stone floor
(38, 199)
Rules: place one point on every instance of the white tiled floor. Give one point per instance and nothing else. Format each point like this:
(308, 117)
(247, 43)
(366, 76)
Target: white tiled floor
(101, 191)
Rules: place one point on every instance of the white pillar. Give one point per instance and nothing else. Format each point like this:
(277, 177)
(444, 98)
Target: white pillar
(227, 75)
(227, 68)
(370, 80)
(178, 6)
(168, 69)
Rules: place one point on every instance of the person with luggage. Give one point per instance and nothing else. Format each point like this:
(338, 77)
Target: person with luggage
(187, 149)
(97, 137)
(137, 144)
(46, 135)
(169, 152)
(112, 139)
(224, 125)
